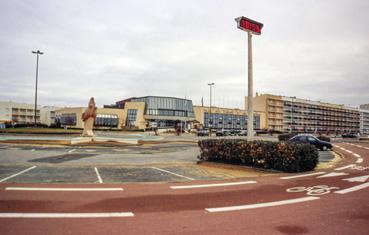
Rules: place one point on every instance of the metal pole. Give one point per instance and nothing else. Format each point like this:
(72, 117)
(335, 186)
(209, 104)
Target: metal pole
(210, 122)
(250, 110)
(35, 121)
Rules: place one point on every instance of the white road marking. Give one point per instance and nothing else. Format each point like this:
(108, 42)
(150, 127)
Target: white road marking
(66, 215)
(61, 189)
(13, 148)
(345, 167)
(349, 151)
(169, 172)
(361, 179)
(260, 205)
(212, 185)
(299, 176)
(71, 151)
(332, 174)
(356, 155)
(98, 176)
(359, 160)
(353, 189)
(32, 150)
(90, 150)
(19, 173)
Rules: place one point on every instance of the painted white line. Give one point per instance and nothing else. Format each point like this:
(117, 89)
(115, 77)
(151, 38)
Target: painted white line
(353, 189)
(299, 176)
(66, 215)
(32, 150)
(19, 173)
(172, 173)
(349, 151)
(90, 150)
(98, 176)
(212, 185)
(345, 167)
(260, 205)
(13, 148)
(359, 160)
(361, 179)
(61, 189)
(356, 155)
(71, 151)
(332, 174)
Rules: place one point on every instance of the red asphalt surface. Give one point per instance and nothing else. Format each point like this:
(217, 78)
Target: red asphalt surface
(158, 209)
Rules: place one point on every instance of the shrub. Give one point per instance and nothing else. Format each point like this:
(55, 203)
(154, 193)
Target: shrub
(324, 138)
(286, 136)
(283, 156)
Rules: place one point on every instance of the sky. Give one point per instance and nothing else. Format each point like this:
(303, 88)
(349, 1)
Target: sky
(113, 50)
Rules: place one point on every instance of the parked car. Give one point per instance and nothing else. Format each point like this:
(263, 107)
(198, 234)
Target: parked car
(349, 135)
(203, 132)
(310, 139)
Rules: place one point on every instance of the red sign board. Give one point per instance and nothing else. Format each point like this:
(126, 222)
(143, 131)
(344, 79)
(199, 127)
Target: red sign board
(249, 25)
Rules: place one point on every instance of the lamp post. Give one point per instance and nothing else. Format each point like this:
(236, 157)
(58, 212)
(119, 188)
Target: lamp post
(38, 52)
(210, 122)
(251, 27)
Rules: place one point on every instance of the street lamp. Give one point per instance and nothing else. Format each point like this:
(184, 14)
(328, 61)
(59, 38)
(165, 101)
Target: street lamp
(38, 52)
(251, 27)
(210, 122)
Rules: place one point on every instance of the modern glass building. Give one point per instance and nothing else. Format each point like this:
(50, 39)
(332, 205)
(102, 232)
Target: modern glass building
(158, 111)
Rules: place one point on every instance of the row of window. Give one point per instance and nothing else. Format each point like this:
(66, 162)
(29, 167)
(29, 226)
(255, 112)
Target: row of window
(168, 112)
(131, 117)
(228, 121)
(102, 120)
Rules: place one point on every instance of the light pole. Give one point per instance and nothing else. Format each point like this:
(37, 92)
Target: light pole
(210, 122)
(251, 27)
(38, 52)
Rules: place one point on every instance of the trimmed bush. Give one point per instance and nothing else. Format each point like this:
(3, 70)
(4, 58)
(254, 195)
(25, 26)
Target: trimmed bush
(282, 156)
(324, 138)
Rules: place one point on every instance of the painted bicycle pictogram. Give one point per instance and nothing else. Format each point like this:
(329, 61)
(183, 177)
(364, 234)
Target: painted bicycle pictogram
(312, 191)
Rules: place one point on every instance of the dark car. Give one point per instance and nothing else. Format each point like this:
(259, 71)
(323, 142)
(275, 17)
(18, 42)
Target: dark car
(203, 132)
(310, 139)
(349, 135)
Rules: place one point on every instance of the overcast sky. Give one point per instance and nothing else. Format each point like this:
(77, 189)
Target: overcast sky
(113, 50)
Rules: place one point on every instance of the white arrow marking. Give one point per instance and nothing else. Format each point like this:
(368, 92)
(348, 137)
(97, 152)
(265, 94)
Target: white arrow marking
(333, 174)
(358, 179)
(353, 189)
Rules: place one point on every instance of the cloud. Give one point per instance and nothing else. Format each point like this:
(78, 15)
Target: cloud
(117, 49)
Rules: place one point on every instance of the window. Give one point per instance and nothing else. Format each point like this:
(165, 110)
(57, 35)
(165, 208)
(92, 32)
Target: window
(131, 117)
(69, 119)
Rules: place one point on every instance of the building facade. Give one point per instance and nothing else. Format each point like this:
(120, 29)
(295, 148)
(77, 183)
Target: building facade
(157, 111)
(19, 113)
(223, 118)
(293, 114)
(364, 122)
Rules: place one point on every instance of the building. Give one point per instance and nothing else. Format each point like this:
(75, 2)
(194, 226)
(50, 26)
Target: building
(106, 118)
(295, 114)
(47, 115)
(157, 111)
(18, 113)
(364, 106)
(364, 122)
(223, 118)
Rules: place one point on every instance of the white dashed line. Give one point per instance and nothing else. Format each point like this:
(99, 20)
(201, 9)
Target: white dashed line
(61, 189)
(333, 174)
(66, 215)
(353, 189)
(260, 205)
(172, 173)
(98, 176)
(299, 176)
(212, 185)
(19, 173)
(359, 160)
(345, 167)
(71, 151)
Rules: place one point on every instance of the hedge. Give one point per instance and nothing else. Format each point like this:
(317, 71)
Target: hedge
(282, 156)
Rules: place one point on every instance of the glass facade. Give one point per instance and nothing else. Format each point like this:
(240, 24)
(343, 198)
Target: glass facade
(228, 121)
(69, 119)
(106, 120)
(166, 106)
(131, 117)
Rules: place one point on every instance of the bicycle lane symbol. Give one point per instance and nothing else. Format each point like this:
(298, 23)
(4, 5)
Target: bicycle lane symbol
(312, 191)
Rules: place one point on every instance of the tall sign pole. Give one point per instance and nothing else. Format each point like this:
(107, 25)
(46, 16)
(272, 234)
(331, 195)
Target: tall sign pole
(251, 27)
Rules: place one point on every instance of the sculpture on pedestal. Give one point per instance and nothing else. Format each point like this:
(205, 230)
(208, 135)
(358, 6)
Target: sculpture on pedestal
(88, 117)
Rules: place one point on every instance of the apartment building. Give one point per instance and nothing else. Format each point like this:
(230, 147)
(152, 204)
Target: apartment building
(295, 114)
(22, 113)
(364, 121)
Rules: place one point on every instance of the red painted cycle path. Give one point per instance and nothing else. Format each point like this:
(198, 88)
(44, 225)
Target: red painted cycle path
(159, 209)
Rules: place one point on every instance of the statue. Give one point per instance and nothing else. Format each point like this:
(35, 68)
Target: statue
(88, 117)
